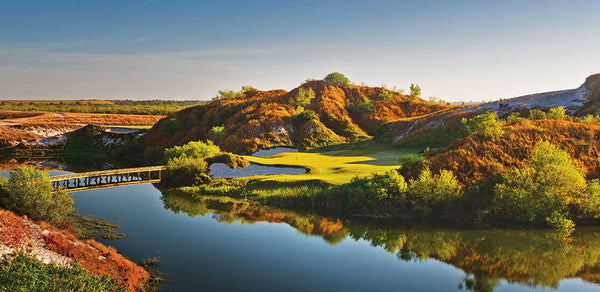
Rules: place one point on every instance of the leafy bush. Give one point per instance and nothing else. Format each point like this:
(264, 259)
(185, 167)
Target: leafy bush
(487, 125)
(248, 90)
(364, 107)
(409, 161)
(232, 160)
(193, 149)
(557, 113)
(589, 206)
(185, 171)
(429, 192)
(415, 91)
(230, 94)
(369, 193)
(590, 119)
(303, 97)
(386, 95)
(19, 272)
(303, 115)
(513, 118)
(186, 164)
(551, 189)
(336, 78)
(28, 191)
(171, 125)
(217, 131)
(537, 114)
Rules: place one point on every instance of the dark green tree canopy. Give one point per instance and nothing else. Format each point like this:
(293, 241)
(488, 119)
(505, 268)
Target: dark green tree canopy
(336, 78)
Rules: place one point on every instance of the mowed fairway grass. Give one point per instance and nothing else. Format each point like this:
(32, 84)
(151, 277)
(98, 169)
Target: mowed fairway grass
(335, 166)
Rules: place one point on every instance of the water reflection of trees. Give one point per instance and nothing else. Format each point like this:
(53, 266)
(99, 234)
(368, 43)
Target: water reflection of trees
(228, 210)
(531, 257)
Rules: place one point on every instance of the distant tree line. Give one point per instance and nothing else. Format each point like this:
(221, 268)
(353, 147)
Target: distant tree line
(140, 107)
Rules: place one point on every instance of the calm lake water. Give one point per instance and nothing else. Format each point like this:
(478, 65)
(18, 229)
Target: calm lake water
(222, 245)
(214, 245)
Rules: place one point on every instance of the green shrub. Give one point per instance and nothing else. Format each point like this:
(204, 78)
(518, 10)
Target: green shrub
(249, 90)
(589, 205)
(337, 79)
(590, 119)
(410, 160)
(487, 125)
(28, 191)
(186, 164)
(185, 171)
(193, 149)
(386, 95)
(513, 118)
(230, 94)
(217, 131)
(369, 193)
(232, 160)
(537, 114)
(303, 97)
(415, 91)
(429, 192)
(19, 272)
(171, 125)
(303, 115)
(551, 189)
(365, 107)
(557, 113)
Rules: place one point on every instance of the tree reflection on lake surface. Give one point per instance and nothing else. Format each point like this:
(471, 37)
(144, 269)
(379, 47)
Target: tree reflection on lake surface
(534, 258)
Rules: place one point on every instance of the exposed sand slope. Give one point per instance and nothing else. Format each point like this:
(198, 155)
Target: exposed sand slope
(579, 101)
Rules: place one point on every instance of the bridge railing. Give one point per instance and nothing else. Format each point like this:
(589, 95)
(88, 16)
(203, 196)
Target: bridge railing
(106, 172)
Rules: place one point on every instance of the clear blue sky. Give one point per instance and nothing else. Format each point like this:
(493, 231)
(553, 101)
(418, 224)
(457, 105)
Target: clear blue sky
(456, 50)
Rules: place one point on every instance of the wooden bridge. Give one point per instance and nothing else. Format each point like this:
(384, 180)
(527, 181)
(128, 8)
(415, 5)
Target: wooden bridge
(108, 178)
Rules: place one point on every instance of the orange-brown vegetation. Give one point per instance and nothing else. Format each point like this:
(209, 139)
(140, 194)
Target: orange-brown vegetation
(29, 126)
(318, 226)
(266, 118)
(20, 233)
(475, 157)
(41, 118)
(13, 163)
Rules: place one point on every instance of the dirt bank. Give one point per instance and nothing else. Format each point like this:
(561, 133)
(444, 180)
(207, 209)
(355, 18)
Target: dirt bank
(52, 245)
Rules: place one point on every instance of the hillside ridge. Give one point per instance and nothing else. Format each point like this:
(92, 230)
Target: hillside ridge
(263, 119)
(578, 101)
